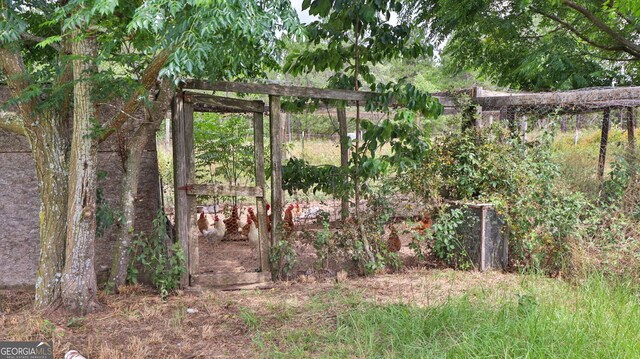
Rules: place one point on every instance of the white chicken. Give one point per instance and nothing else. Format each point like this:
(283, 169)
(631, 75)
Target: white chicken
(243, 219)
(254, 237)
(218, 231)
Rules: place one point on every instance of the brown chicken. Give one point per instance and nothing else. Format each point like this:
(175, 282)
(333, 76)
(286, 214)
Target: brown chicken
(268, 217)
(393, 243)
(253, 216)
(203, 222)
(231, 223)
(425, 223)
(288, 224)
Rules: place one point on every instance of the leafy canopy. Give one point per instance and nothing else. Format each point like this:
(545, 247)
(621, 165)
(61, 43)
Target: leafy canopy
(205, 39)
(537, 44)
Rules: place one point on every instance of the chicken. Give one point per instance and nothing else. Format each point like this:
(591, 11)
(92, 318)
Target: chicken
(244, 231)
(231, 223)
(425, 223)
(288, 224)
(253, 234)
(297, 210)
(242, 221)
(393, 243)
(268, 217)
(203, 223)
(218, 231)
(253, 217)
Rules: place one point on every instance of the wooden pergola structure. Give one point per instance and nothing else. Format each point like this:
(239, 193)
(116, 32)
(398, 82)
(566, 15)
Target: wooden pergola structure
(567, 102)
(190, 99)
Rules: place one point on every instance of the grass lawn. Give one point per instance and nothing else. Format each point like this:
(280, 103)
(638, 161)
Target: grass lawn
(537, 318)
(414, 314)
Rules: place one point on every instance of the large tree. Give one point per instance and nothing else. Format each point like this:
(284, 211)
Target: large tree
(537, 44)
(61, 59)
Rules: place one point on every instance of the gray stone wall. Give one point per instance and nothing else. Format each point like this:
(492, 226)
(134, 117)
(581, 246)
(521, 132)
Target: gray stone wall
(20, 206)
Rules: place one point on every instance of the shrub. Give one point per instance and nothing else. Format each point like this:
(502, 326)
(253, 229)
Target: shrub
(519, 178)
(166, 264)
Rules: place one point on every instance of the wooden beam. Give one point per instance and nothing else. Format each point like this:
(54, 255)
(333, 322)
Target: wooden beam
(276, 167)
(279, 90)
(210, 189)
(180, 179)
(230, 279)
(261, 212)
(561, 98)
(225, 102)
(604, 140)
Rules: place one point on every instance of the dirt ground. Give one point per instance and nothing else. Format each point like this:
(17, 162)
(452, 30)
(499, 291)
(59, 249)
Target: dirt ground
(214, 324)
(237, 256)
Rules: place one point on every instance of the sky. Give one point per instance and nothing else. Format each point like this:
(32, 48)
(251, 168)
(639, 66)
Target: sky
(305, 18)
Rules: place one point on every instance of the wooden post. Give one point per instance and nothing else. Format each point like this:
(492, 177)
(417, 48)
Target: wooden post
(563, 124)
(276, 167)
(344, 157)
(604, 139)
(258, 143)
(631, 134)
(523, 125)
(193, 254)
(180, 181)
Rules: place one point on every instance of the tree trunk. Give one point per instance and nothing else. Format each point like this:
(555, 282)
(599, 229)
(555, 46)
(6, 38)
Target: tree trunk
(52, 174)
(344, 157)
(129, 190)
(46, 132)
(79, 285)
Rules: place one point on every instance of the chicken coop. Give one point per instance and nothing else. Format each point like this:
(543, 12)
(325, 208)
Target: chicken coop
(485, 239)
(198, 96)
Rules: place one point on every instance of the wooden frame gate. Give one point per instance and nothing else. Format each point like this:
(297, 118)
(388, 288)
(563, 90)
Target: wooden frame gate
(185, 189)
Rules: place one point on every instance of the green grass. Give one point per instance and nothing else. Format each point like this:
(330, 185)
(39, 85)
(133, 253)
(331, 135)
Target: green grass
(579, 162)
(543, 319)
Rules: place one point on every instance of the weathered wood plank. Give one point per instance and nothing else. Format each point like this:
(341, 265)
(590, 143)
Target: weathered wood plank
(194, 253)
(223, 190)
(280, 90)
(261, 286)
(276, 167)
(230, 279)
(180, 179)
(261, 212)
(560, 98)
(225, 102)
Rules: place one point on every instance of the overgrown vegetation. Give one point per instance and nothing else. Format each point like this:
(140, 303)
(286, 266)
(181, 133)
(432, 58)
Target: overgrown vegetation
(163, 261)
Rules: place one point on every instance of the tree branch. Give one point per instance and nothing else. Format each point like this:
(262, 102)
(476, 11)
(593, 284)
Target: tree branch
(134, 103)
(12, 65)
(30, 37)
(577, 32)
(10, 121)
(629, 46)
